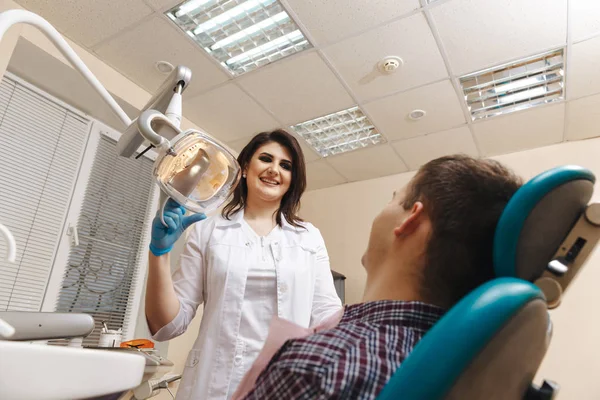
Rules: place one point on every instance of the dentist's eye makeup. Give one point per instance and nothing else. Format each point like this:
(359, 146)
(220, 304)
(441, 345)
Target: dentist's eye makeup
(265, 157)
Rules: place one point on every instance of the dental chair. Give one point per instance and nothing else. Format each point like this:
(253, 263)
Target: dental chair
(490, 345)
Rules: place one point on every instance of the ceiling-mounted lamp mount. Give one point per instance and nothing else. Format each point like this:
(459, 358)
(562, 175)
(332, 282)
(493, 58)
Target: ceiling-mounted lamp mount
(164, 67)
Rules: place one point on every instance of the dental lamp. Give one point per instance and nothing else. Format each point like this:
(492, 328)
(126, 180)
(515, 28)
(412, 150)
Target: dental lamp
(194, 169)
(191, 167)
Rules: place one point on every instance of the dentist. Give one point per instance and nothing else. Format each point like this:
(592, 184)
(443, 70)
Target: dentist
(256, 260)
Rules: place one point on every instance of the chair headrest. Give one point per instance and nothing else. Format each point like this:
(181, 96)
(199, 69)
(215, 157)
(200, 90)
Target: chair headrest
(448, 348)
(538, 218)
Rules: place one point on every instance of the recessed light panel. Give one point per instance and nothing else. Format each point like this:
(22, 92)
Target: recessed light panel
(241, 34)
(515, 86)
(339, 132)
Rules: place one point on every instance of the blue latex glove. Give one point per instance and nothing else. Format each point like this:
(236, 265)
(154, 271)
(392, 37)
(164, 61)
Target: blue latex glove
(162, 237)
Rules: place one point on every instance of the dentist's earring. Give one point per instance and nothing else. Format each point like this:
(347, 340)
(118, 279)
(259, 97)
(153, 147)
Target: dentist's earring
(244, 176)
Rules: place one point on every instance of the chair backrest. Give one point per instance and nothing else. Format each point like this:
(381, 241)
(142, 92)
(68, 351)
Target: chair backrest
(490, 345)
(461, 340)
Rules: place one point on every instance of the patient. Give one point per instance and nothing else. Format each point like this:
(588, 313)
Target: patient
(429, 246)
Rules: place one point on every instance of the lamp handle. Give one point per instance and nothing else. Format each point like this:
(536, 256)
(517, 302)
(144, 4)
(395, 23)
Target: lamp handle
(150, 121)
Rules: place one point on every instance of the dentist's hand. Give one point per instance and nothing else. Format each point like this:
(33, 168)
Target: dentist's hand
(164, 237)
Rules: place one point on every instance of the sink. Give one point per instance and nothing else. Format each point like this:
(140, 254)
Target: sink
(43, 372)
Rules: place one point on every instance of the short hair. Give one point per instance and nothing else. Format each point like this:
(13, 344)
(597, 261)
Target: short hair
(464, 198)
(290, 203)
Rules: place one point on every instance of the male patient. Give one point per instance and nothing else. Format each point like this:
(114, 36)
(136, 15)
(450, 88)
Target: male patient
(429, 247)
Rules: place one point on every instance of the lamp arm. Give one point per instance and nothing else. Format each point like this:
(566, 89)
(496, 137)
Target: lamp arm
(13, 17)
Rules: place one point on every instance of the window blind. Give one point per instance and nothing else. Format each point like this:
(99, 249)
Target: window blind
(112, 225)
(41, 145)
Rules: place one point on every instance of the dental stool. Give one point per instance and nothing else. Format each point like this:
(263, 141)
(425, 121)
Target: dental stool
(490, 345)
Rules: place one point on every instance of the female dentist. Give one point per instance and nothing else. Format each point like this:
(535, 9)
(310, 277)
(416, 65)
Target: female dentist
(256, 260)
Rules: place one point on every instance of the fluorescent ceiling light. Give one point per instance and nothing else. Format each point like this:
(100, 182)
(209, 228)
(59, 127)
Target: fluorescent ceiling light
(266, 24)
(515, 86)
(190, 6)
(230, 15)
(265, 47)
(241, 35)
(339, 132)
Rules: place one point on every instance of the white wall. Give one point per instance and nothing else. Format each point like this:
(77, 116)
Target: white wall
(344, 215)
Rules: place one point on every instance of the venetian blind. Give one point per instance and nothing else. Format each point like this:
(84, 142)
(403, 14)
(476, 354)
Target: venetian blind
(112, 225)
(41, 145)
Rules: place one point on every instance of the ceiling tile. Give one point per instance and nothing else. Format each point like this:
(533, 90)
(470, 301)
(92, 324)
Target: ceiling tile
(88, 23)
(320, 175)
(582, 72)
(297, 89)
(420, 150)
(585, 18)
(368, 163)
(239, 144)
(162, 5)
(583, 118)
(331, 20)
(439, 101)
(521, 130)
(409, 38)
(228, 113)
(135, 52)
(482, 33)
(309, 154)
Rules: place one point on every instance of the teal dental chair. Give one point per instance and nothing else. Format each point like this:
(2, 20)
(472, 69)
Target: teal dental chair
(490, 345)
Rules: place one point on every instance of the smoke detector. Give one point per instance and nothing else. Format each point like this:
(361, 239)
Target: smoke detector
(390, 64)
(164, 67)
(416, 115)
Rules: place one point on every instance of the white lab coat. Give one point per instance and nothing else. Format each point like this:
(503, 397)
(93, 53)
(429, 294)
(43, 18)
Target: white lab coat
(213, 270)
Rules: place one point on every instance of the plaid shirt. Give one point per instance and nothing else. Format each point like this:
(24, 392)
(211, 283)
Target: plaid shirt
(354, 360)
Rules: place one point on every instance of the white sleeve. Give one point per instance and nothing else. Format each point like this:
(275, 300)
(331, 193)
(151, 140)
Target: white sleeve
(188, 281)
(325, 300)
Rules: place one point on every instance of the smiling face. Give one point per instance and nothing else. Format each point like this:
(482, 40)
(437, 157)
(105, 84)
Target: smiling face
(269, 172)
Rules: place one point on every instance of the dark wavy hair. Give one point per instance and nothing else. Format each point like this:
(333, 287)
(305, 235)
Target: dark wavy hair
(290, 203)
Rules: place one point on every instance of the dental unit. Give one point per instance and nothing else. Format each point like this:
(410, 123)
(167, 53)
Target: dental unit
(191, 167)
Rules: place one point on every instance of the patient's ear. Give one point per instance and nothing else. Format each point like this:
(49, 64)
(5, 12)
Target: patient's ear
(412, 222)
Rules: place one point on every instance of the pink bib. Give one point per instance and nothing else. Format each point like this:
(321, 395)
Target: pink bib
(280, 330)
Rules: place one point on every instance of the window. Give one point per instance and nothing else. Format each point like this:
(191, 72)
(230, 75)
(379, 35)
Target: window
(80, 214)
(102, 269)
